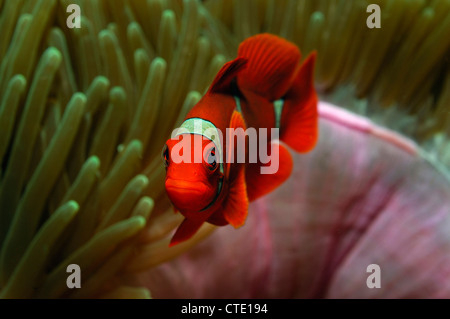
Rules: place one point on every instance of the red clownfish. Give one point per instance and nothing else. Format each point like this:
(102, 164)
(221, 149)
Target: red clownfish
(264, 87)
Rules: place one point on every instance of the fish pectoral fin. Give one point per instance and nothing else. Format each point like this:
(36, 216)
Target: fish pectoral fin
(235, 209)
(185, 231)
(236, 121)
(299, 118)
(259, 184)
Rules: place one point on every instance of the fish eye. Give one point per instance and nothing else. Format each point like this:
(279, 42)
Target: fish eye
(211, 162)
(165, 155)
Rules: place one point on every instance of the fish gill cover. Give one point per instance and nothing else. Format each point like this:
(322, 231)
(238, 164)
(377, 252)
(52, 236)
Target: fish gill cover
(84, 113)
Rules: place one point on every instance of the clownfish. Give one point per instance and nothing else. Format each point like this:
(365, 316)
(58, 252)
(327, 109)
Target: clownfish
(265, 87)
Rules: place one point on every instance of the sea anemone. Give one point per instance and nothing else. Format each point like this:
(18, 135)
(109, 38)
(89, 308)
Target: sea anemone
(364, 196)
(84, 114)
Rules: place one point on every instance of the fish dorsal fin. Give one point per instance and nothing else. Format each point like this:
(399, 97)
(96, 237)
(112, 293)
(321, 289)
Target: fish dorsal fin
(223, 80)
(236, 205)
(272, 65)
(185, 231)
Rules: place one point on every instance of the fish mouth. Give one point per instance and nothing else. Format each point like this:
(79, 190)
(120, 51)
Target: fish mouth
(188, 188)
(188, 196)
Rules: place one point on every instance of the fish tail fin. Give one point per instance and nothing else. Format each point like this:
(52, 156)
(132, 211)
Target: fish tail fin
(299, 117)
(185, 231)
(272, 64)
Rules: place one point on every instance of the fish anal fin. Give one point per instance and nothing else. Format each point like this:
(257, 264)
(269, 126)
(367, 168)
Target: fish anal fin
(185, 231)
(272, 64)
(259, 184)
(217, 218)
(299, 118)
(223, 81)
(235, 208)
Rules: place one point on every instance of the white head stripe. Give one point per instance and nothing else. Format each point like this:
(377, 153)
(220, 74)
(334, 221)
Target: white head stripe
(205, 128)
